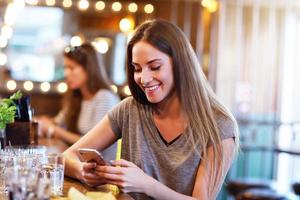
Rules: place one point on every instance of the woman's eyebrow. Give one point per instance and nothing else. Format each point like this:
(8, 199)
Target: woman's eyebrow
(149, 62)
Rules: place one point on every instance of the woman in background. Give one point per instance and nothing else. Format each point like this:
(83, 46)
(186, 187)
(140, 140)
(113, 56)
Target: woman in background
(178, 140)
(87, 100)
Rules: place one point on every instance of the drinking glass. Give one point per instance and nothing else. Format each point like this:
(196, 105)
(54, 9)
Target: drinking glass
(26, 184)
(52, 167)
(6, 162)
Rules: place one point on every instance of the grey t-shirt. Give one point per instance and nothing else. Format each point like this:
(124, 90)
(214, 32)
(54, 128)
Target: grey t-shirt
(174, 165)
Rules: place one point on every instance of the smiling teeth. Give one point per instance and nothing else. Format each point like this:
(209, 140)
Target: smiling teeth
(152, 88)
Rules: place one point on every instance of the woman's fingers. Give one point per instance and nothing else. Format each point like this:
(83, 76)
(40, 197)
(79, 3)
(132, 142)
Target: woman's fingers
(89, 166)
(109, 169)
(122, 163)
(108, 176)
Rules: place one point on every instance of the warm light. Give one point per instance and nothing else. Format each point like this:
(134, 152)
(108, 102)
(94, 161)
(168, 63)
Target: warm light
(11, 85)
(126, 24)
(45, 86)
(28, 85)
(50, 2)
(100, 5)
(116, 6)
(149, 8)
(76, 41)
(3, 41)
(62, 87)
(126, 90)
(101, 45)
(3, 59)
(67, 3)
(19, 3)
(132, 7)
(7, 31)
(210, 5)
(83, 4)
(32, 2)
(114, 88)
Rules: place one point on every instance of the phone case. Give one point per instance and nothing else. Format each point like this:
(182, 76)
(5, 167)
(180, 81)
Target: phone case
(91, 155)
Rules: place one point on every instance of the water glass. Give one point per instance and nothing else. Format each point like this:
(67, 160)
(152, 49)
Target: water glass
(26, 184)
(6, 162)
(52, 168)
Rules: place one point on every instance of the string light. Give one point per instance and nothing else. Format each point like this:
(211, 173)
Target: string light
(11, 85)
(126, 24)
(32, 2)
(126, 90)
(45, 86)
(50, 2)
(210, 5)
(132, 7)
(100, 5)
(114, 88)
(149, 8)
(116, 6)
(62, 87)
(83, 5)
(28, 85)
(76, 41)
(101, 45)
(67, 3)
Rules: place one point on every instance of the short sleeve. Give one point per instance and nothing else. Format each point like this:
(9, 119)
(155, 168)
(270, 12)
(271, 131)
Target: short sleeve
(119, 115)
(228, 127)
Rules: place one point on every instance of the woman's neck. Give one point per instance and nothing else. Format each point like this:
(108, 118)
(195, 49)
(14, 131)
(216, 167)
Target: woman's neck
(168, 108)
(86, 94)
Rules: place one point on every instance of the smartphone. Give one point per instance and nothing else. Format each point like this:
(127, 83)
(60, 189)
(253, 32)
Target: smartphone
(91, 155)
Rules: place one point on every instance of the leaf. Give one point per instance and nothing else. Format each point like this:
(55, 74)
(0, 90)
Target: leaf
(8, 109)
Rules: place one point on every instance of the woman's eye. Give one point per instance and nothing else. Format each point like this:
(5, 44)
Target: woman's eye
(155, 68)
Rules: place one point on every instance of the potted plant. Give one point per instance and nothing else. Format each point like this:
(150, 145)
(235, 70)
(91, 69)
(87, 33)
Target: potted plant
(7, 114)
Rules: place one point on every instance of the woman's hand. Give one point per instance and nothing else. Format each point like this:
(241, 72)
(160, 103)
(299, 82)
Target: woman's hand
(44, 125)
(89, 177)
(124, 174)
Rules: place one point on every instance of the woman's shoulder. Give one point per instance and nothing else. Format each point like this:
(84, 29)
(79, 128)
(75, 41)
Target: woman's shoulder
(128, 102)
(227, 125)
(102, 93)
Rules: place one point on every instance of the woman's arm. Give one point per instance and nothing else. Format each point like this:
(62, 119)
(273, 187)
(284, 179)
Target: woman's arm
(203, 183)
(132, 179)
(100, 137)
(48, 127)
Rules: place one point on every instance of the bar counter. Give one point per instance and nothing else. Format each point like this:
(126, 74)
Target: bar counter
(55, 146)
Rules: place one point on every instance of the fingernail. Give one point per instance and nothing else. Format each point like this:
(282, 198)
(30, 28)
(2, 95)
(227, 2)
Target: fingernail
(112, 162)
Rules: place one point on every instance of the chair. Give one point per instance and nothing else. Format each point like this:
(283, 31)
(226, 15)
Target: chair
(260, 194)
(236, 186)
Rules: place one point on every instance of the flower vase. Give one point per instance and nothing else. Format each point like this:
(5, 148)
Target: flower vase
(2, 138)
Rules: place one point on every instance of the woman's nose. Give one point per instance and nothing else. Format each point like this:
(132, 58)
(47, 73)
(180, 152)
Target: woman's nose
(146, 77)
(66, 72)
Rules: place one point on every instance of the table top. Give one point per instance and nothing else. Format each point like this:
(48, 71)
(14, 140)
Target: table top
(55, 145)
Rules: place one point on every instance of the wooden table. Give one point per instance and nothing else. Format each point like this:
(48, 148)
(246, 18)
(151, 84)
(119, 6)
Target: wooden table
(57, 146)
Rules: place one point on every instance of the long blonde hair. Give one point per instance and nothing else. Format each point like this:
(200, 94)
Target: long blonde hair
(196, 97)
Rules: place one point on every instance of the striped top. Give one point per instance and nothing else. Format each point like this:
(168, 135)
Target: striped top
(93, 110)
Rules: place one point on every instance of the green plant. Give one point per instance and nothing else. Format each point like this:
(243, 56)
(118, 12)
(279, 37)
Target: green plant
(8, 109)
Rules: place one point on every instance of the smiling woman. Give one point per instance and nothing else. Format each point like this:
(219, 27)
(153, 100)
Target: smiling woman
(178, 140)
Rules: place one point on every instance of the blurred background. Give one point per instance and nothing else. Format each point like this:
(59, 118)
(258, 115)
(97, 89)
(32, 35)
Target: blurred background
(248, 50)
